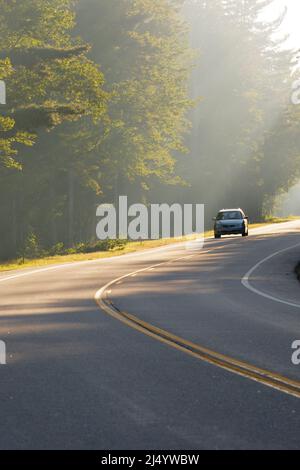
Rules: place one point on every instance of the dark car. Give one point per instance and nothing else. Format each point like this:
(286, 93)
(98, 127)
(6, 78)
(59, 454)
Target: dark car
(231, 222)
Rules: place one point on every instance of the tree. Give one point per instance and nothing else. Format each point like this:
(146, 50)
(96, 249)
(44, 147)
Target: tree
(50, 80)
(143, 49)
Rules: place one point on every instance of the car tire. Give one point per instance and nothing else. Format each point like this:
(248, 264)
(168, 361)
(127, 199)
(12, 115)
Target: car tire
(217, 235)
(245, 234)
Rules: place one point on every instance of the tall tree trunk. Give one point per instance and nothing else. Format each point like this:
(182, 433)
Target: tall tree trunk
(14, 227)
(53, 217)
(71, 205)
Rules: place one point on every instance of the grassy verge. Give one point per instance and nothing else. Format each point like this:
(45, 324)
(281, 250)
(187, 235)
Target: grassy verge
(280, 220)
(129, 247)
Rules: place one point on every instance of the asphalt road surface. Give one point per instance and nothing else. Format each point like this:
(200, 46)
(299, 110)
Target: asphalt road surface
(191, 350)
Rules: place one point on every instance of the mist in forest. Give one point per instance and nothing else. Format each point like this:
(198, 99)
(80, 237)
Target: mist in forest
(159, 100)
(288, 204)
(244, 143)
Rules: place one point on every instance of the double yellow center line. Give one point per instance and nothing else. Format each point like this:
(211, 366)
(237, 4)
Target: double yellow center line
(228, 363)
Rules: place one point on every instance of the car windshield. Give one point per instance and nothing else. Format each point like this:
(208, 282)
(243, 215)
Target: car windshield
(232, 215)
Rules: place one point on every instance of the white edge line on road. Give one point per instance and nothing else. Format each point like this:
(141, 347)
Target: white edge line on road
(100, 260)
(246, 279)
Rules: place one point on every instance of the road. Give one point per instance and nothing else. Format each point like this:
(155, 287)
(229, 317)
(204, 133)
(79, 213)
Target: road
(203, 361)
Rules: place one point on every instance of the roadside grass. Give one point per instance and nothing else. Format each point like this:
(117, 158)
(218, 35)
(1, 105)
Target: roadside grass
(273, 220)
(279, 220)
(129, 247)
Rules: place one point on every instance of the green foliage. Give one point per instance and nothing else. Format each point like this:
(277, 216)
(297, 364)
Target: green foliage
(49, 77)
(32, 247)
(32, 23)
(148, 67)
(94, 247)
(103, 245)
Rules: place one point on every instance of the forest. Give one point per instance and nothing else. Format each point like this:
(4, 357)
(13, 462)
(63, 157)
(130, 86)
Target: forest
(159, 100)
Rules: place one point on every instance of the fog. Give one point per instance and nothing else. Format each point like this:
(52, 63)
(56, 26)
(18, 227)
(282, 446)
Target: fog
(288, 204)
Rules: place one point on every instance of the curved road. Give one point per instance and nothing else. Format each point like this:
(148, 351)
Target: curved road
(83, 377)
